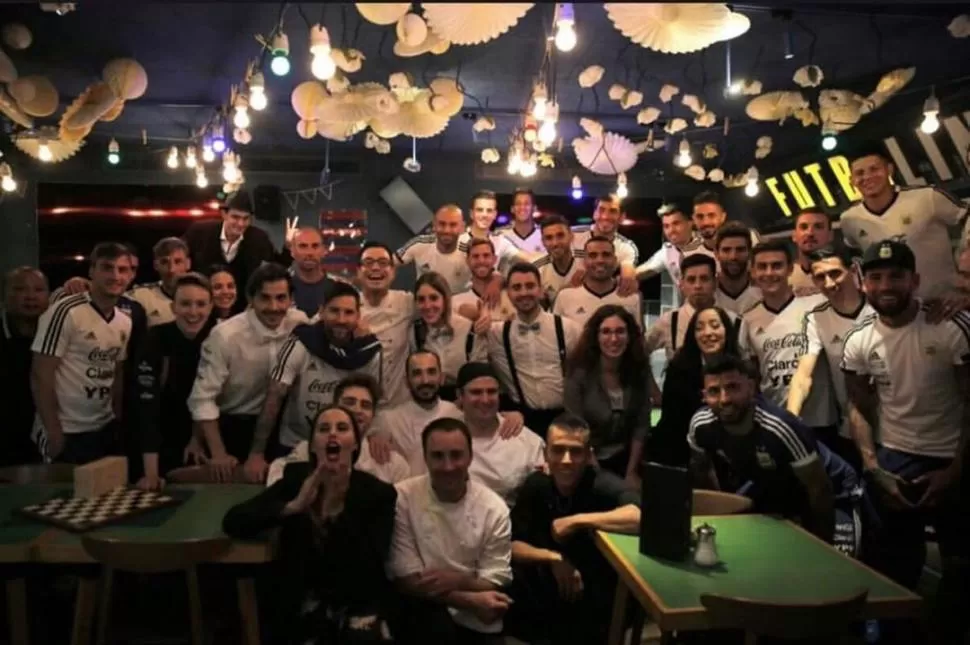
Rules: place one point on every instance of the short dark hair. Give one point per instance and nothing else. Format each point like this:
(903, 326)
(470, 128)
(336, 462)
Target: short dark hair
(219, 268)
(193, 279)
(373, 244)
(671, 208)
(552, 219)
(732, 229)
(869, 149)
(169, 245)
(707, 197)
(267, 272)
(484, 194)
(597, 238)
(609, 197)
(358, 379)
(132, 249)
(773, 246)
(572, 424)
(445, 424)
(813, 211)
(524, 191)
(698, 260)
(108, 251)
(524, 267)
(419, 352)
(828, 252)
(726, 363)
(341, 290)
(479, 241)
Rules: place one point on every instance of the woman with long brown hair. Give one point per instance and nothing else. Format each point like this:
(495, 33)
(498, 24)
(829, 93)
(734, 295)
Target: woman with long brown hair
(606, 384)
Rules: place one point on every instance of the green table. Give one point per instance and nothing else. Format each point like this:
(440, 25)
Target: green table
(762, 558)
(19, 534)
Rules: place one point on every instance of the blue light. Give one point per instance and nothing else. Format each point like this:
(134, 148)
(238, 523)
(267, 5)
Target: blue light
(577, 193)
(218, 145)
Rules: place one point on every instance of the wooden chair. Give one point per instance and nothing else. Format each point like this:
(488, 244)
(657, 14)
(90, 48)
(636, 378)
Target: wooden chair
(714, 502)
(820, 622)
(149, 557)
(203, 475)
(38, 474)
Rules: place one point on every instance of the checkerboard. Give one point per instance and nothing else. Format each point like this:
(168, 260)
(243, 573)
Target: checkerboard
(79, 514)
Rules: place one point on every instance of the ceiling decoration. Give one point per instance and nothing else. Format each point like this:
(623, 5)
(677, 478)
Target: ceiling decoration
(677, 27)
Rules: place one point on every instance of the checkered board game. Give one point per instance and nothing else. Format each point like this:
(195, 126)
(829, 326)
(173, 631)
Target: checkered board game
(79, 514)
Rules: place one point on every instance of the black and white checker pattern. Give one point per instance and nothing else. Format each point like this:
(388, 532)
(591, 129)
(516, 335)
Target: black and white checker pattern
(83, 514)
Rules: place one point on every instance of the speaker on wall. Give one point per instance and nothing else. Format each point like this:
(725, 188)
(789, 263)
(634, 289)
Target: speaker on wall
(407, 205)
(268, 203)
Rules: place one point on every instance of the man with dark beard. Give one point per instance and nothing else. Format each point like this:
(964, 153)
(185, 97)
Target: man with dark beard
(911, 380)
(732, 251)
(314, 359)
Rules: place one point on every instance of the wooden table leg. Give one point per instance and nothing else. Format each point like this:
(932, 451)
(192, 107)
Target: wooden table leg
(87, 593)
(104, 611)
(248, 610)
(17, 611)
(195, 605)
(618, 621)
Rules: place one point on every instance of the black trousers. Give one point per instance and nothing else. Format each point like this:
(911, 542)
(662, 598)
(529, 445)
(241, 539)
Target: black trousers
(84, 447)
(415, 621)
(237, 432)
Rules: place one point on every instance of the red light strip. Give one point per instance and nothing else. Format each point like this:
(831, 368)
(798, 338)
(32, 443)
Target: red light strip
(208, 209)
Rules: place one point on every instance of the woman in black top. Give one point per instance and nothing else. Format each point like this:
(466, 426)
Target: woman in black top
(710, 333)
(336, 525)
(163, 380)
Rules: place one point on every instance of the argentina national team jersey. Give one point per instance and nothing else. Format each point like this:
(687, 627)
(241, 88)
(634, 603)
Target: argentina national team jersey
(627, 253)
(157, 303)
(89, 346)
(423, 252)
(552, 280)
(531, 245)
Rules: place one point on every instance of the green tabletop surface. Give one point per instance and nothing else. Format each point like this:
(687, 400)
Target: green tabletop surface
(15, 529)
(762, 558)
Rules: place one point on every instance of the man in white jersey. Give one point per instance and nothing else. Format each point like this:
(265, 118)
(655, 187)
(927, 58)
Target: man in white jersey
(523, 232)
(484, 212)
(774, 335)
(387, 314)
(472, 303)
(826, 327)
(680, 240)
(235, 365)
(451, 550)
(171, 261)
(908, 384)
(439, 252)
(78, 354)
(709, 215)
(735, 292)
(529, 351)
(925, 218)
(813, 230)
(600, 286)
(606, 223)
(307, 369)
(558, 266)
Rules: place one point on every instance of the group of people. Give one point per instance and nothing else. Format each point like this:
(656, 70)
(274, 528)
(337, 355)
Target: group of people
(438, 457)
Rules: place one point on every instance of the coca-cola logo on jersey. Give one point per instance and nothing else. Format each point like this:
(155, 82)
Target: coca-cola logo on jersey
(788, 341)
(321, 387)
(99, 355)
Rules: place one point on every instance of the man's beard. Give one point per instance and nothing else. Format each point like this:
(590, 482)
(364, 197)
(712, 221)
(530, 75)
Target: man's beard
(902, 304)
(424, 393)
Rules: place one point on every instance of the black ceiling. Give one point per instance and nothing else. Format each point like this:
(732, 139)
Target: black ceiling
(194, 52)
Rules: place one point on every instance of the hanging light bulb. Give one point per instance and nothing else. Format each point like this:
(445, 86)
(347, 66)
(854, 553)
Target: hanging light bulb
(208, 156)
(173, 158)
(683, 156)
(257, 92)
(931, 111)
(577, 192)
(565, 27)
(200, 179)
(547, 133)
(829, 140)
(539, 101)
(230, 168)
(241, 118)
(621, 190)
(114, 152)
(281, 54)
(515, 162)
(751, 188)
(321, 65)
(7, 182)
(44, 151)
(529, 168)
(191, 161)
(218, 138)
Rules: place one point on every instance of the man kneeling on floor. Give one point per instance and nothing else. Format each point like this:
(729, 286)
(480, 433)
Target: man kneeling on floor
(562, 585)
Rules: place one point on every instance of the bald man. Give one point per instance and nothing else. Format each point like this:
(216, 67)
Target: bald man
(439, 251)
(311, 284)
(26, 295)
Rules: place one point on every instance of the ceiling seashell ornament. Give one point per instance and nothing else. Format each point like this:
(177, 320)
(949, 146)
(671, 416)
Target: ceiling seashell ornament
(616, 92)
(808, 76)
(306, 97)
(631, 100)
(473, 24)
(841, 109)
(348, 60)
(710, 151)
(648, 115)
(705, 119)
(306, 129)
(431, 44)
(411, 30)
(383, 13)
(889, 85)
(29, 143)
(484, 124)
(675, 125)
(807, 117)
(10, 109)
(695, 172)
(763, 147)
(8, 72)
(959, 27)
(668, 92)
(16, 36)
(608, 154)
(126, 78)
(751, 88)
(716, 175)
(695, 104)
(676, 27)
(36, 95)
(591, 76)
(490, 155)
(775, 106)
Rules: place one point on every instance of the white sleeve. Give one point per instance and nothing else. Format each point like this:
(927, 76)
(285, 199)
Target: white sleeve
(290, 362)
(495, 562)
(745, 344)
(960, 343)
(212, 374)
(853, 355)
(656, 264)
(406, 254)
(404, 559)
(627, 253)
(54, 331)
(946, 207)
(657, 334)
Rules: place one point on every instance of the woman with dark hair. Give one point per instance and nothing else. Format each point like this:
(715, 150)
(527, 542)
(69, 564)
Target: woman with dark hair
(224, 292)
(711, 332)
(436, 329)
(606, 384)
(336, 525)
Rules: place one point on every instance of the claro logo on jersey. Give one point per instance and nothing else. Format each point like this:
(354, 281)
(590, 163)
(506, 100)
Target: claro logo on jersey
(99, 355)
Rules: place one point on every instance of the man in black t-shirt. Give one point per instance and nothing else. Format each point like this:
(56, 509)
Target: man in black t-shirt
(563, 587)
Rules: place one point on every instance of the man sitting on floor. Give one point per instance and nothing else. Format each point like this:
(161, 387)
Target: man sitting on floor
(562, 584)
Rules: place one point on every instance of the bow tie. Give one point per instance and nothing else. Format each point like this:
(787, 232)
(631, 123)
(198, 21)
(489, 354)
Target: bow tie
(525, 329)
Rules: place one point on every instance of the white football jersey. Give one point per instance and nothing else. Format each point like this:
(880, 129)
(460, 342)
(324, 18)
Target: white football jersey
(579, 303)
(668, 258)
(157, 304)
(390, 321)
(922, 218)
(531, 245)
(777, 340)
(801, 282)
(505, 251)
(504, 311)
(552, 281)
(826, 330)
(90, 346)
(423, 252)
(627, 253)
(920, 402)
(739, 302)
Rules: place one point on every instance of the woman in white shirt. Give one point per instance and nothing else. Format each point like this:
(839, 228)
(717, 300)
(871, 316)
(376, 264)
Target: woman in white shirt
(436, 329)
